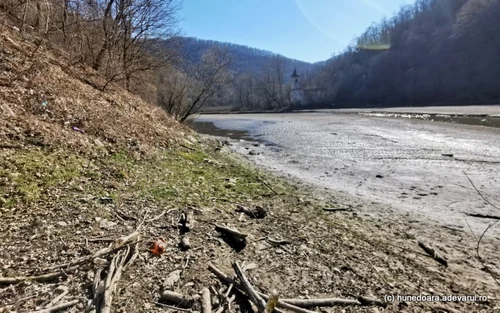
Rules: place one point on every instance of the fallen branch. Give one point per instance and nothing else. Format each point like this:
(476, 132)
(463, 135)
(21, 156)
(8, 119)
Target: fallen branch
(206, 305)
(281, 304)
(249, 290)
(478, 215)
(262, 180)
(114, 275)
(119, 244)
(433, 253)
(336, 209)
(58, 307)
(232, 232)
(177, 299)
(39, 278)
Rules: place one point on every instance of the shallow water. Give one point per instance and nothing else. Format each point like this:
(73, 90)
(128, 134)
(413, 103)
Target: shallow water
(209, 128)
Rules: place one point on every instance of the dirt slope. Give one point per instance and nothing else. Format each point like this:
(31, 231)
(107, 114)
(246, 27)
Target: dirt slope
(45, 101)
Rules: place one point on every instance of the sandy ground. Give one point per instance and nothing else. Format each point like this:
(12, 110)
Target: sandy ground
(396, 169)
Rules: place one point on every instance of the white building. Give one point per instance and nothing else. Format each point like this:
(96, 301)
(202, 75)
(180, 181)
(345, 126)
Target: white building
(296, 92)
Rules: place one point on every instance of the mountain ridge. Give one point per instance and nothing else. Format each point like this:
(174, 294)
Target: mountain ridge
(245, 59)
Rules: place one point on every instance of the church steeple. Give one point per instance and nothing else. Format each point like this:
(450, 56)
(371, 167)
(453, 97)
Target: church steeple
(296, 94)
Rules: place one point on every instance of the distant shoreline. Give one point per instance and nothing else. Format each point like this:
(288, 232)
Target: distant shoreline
(478, 111)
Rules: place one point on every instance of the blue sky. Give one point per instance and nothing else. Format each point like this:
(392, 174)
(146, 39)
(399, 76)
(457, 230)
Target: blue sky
(308, 30)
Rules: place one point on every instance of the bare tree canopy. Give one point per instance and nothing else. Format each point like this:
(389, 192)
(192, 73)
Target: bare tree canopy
(184, 93)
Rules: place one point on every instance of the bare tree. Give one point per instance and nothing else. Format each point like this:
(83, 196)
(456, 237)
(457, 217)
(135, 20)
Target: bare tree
(184, 93)
(272, 84)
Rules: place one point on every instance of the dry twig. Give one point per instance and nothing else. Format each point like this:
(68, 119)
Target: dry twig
(433, 253)
(206, 305)
(45, 277)
(58, 307)
(249, 290)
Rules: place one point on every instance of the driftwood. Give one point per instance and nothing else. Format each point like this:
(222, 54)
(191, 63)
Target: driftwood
(236, 235)
(433, 253)
(311, 303)
(336, 209)
(119, 244)
(281, 304)
(479, 215)
(114, 275)
(97, 290)
(257, 212)
(177, 299)
(249, 290)
(39, 278)
(58, 307)
(206, 305)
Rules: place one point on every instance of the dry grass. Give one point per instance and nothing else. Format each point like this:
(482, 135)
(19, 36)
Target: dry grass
(43, 98)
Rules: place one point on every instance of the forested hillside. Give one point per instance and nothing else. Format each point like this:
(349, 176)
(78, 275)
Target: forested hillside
(244, 59)
(432, 52)
(254, 79)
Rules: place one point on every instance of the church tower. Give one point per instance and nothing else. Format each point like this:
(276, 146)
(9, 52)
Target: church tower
(296, 94)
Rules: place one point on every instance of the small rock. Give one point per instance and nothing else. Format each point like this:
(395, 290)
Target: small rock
(98, 143)
(252, 152)
(379, 176)
(62, 224)
(171, 279)
(256, 144)
(251, 266)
